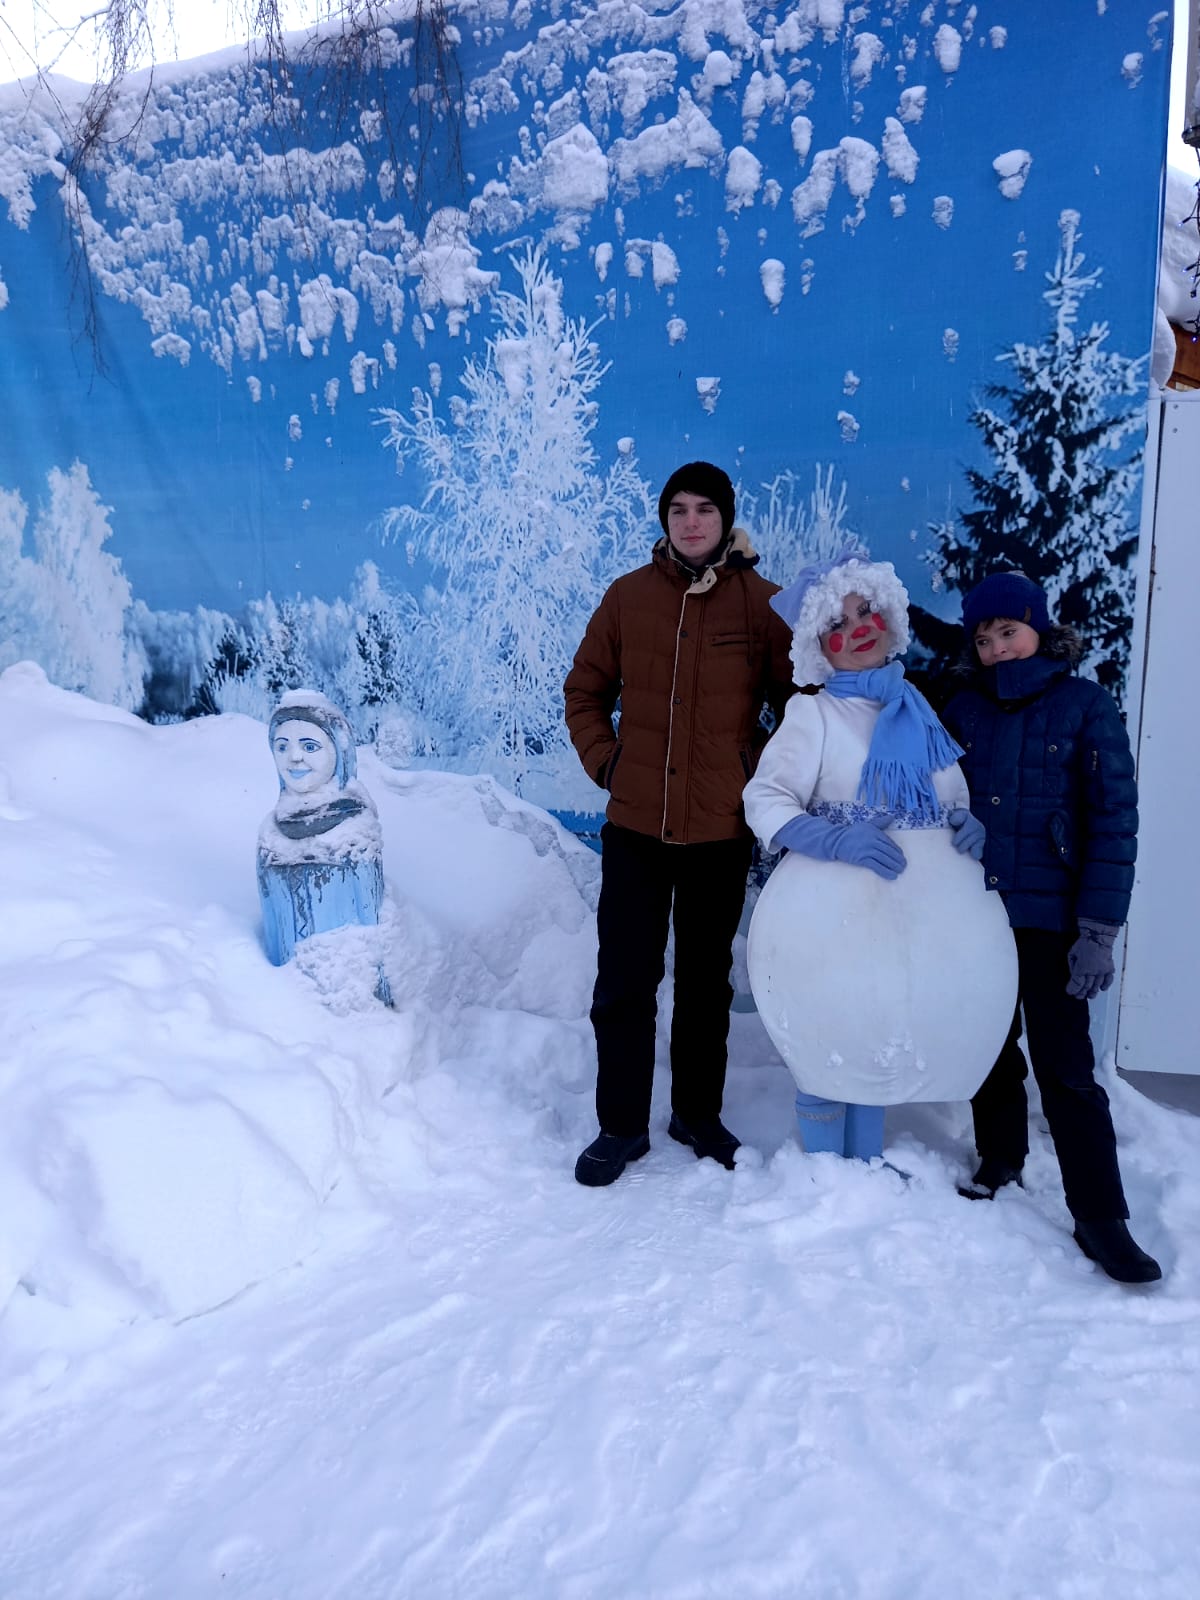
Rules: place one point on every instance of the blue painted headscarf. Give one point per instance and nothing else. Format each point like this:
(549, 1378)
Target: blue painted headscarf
(309, 705)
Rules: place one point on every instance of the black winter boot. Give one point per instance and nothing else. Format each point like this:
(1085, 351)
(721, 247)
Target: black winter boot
(990, 1176)
(1111, 1246)
(706, 1139)
(606, 1158)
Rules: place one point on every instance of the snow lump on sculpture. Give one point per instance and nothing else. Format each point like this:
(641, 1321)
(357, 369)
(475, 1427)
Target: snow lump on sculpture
(320, 850)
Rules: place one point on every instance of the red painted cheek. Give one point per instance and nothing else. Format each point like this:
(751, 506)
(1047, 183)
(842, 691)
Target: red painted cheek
(878, 621)
(836, 644)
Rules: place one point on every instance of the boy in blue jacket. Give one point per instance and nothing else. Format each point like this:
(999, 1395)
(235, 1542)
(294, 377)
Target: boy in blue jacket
(1051, 775)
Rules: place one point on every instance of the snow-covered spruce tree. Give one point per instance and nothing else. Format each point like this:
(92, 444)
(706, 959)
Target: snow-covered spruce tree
(365, 651)
(185, 651)
(378, 674)
(524, 527)
(1058, 502)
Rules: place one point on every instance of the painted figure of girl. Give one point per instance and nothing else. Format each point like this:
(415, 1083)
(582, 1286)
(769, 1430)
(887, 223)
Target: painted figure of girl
(320, 850)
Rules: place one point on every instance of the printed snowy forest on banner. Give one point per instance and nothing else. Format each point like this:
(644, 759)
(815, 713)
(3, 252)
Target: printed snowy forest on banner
(315, 412)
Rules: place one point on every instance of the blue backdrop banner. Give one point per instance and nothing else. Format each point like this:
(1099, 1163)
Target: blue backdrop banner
(368, 382)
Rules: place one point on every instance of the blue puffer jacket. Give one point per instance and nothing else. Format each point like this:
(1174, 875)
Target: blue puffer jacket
(1051, 775)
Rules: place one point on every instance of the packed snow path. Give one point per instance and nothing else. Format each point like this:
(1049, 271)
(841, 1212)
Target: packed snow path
(805, 1379)
(302, 1303)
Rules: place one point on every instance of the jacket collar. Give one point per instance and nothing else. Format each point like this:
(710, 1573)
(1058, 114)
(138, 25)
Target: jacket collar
(736, 554)
(1017, 682)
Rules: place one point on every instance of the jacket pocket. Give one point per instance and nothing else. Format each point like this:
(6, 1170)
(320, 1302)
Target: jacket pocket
(720, 640)
(610, 767)
(1062, 837)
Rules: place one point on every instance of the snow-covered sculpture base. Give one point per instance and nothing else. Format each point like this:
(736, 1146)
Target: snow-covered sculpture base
(303, 898)
(879, 993)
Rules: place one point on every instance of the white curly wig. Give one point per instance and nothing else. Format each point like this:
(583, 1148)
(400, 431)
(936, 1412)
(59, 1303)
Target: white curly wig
(816, 599)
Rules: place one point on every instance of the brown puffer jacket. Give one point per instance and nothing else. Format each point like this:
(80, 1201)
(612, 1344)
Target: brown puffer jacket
(692, 660)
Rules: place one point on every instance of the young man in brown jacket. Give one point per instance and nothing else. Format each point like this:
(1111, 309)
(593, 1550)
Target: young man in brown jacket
(691, 651)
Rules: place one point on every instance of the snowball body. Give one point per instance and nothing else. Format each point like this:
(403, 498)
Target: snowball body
(878, 992)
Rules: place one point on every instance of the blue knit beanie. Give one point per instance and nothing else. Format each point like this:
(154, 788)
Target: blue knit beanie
(1006, 594)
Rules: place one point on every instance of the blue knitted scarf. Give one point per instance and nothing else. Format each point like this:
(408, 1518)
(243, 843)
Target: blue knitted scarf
(908, 745)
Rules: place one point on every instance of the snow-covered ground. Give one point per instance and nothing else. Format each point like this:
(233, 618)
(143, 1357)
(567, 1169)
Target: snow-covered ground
(300, 1299)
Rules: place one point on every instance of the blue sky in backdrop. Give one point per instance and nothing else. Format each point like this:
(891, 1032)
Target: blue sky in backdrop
(855, 334)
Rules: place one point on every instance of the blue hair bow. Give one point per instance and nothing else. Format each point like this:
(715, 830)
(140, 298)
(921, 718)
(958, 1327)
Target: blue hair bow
(788, 602)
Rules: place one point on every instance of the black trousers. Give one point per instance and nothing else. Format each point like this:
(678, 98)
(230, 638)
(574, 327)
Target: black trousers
(1060, 1052)
(643, 880)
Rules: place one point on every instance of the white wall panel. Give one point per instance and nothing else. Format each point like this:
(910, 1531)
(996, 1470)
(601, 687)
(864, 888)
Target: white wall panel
(1159, 1023)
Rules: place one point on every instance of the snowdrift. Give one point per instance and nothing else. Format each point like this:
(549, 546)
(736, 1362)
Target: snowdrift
(183, 1120)
(298, 1295)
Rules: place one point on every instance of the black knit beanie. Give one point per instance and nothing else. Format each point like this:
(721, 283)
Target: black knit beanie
(702, 478)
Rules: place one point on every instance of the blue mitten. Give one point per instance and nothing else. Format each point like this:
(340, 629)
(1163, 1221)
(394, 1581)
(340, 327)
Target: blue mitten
(969, 833)
(859, 844)
(1090, 959)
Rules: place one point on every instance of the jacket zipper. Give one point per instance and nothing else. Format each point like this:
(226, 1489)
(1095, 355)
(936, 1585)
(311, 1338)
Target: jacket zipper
(671, 718)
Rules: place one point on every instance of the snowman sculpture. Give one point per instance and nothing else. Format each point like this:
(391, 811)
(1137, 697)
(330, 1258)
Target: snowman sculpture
(882, 969)
(320, 850)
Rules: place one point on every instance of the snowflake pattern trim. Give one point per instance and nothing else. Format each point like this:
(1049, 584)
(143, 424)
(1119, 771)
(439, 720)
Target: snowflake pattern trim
(845, 811)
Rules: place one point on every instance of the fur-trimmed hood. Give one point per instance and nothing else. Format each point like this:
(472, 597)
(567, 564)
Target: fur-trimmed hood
(1060, 642)
(736, 552)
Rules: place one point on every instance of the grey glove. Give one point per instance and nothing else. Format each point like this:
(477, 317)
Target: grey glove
(1091, 959)
(969, 833)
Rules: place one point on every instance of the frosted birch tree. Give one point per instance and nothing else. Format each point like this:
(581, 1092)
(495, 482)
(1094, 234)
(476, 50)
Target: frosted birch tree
(65, 603)
(524, 526)
(1059, 500)
(789, 527)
